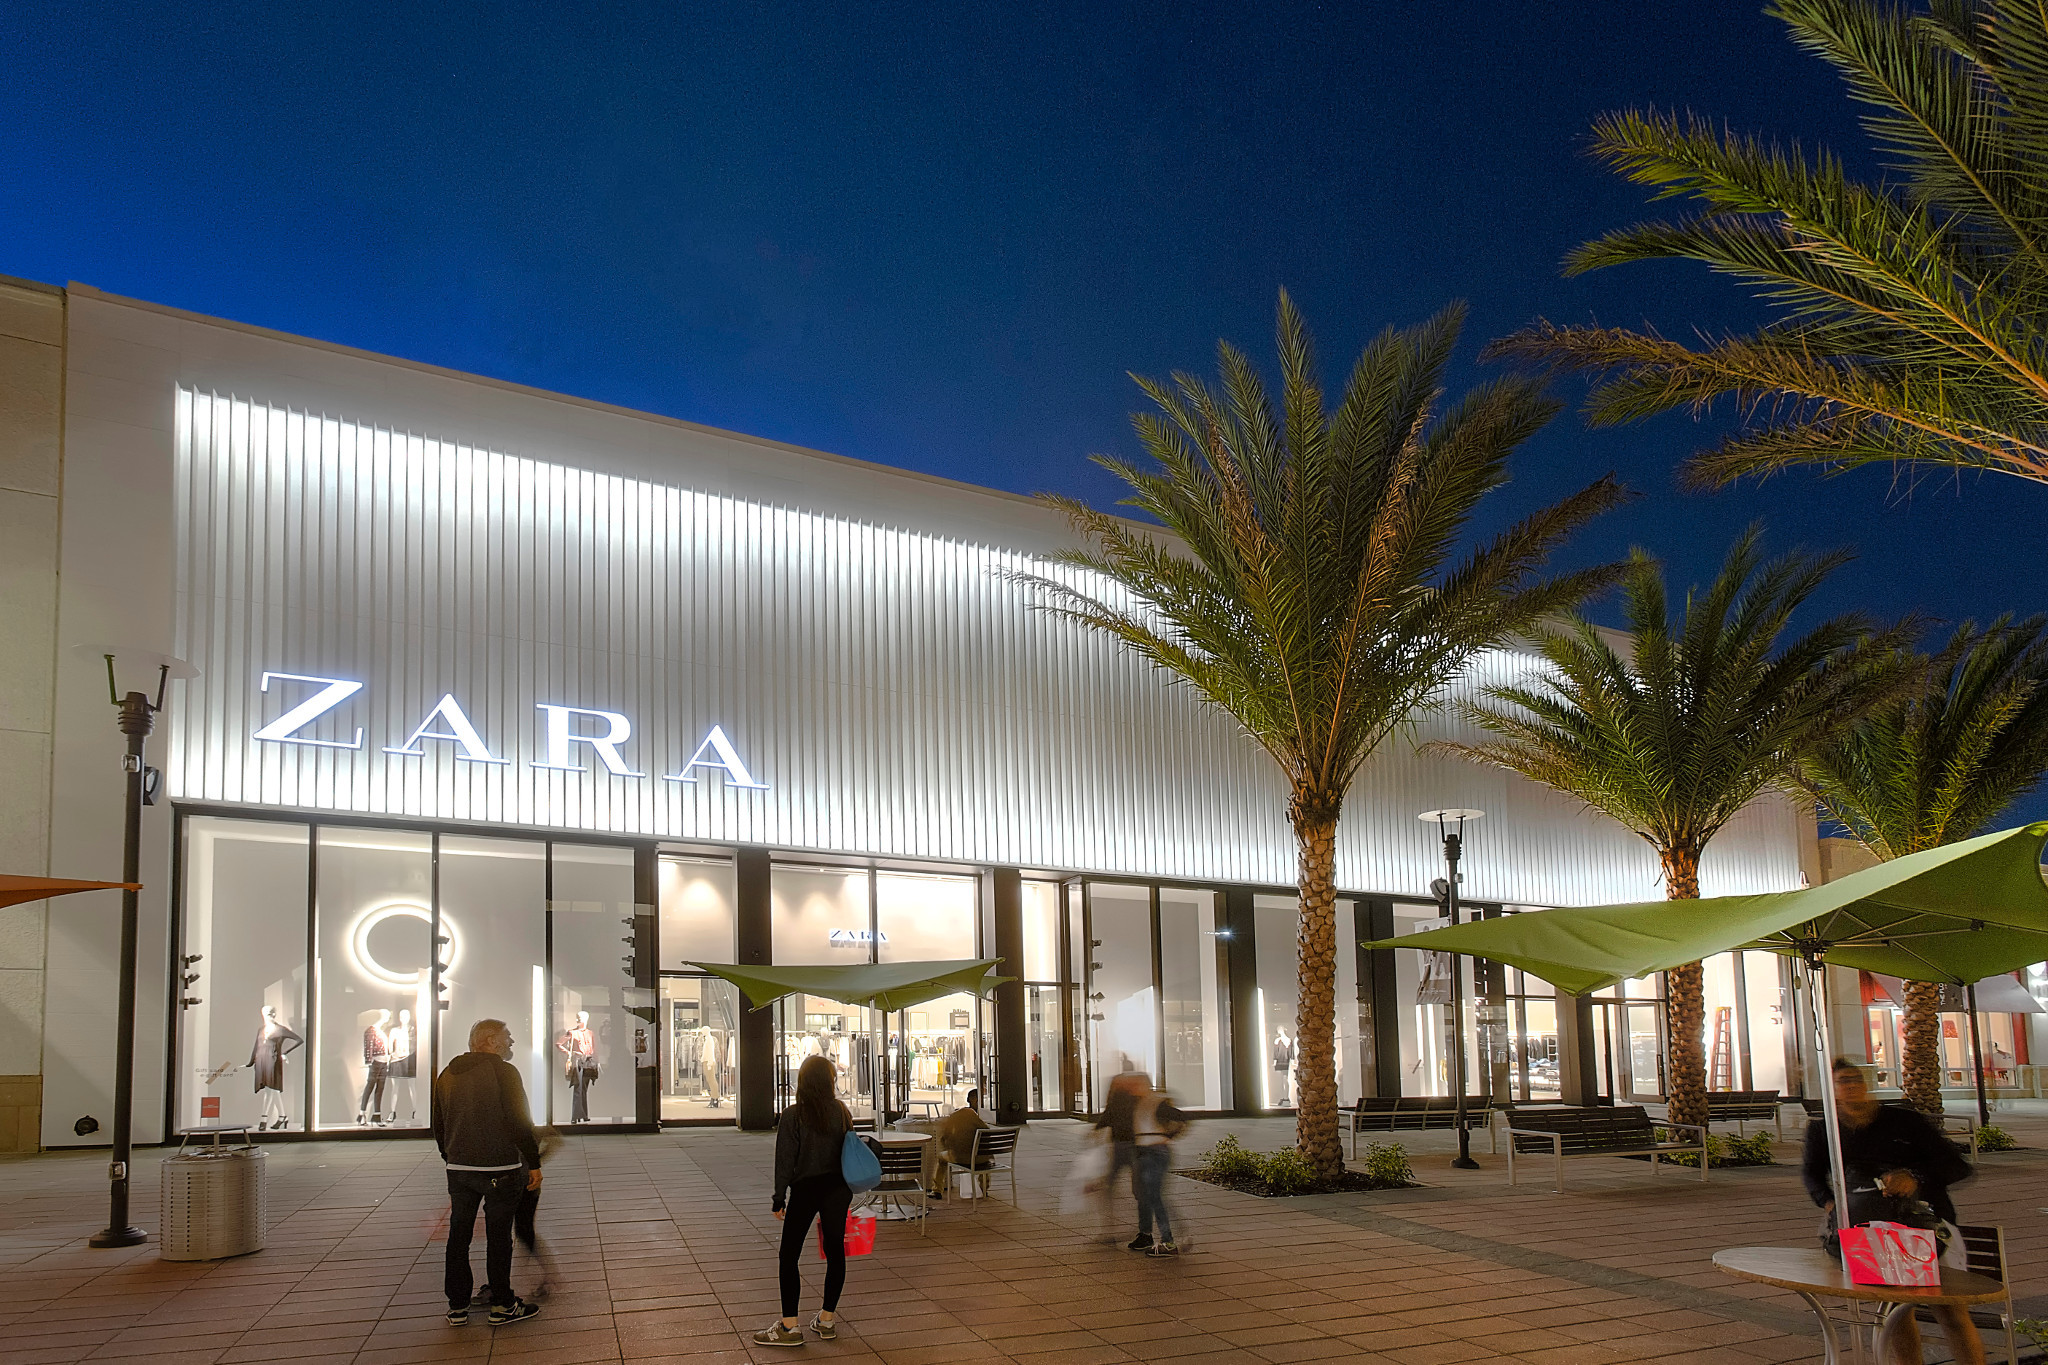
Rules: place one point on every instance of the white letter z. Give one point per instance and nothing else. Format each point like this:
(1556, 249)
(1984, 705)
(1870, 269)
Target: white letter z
(336, 691)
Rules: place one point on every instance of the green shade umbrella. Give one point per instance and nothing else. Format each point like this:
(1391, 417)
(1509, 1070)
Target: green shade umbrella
(1953, 914)
(881, 986)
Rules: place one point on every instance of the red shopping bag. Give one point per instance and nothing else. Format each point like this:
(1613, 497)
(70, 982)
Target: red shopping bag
(1891, 1253)
(860, 1236)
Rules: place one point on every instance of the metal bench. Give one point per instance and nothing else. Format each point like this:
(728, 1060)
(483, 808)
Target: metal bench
(1415, 1113)
(1604, 1131)
(1743, 1107)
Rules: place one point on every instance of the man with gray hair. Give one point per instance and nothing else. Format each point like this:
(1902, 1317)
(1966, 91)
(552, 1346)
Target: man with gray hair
(485, 1133)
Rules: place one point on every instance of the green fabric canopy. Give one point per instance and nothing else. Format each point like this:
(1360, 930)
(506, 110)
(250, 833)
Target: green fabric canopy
(878, 985)
(1958, 913)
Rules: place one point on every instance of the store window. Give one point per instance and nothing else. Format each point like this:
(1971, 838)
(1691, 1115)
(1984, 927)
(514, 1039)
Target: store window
(1122, 1004)
(603, 1031)
(1422, 997)
(820, 915)
(372, 964)
(933, 918)
(351, 1037)
(698, 898)
(1044, 998)
(1041, 914)
(700, 1078)
(1276, 924)
(243, 1047)
(1190, 975)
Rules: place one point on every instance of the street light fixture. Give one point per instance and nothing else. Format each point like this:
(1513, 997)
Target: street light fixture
(1450, 824)
(136, 718)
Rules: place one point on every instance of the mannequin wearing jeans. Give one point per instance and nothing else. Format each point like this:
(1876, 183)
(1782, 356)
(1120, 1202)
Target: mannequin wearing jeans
(579, 1044)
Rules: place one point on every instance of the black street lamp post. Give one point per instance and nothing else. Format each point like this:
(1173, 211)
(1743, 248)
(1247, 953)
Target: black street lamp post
(1451, 826)
(137, 719)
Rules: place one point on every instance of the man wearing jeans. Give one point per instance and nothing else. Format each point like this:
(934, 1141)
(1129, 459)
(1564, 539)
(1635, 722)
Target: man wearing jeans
(485, 1133)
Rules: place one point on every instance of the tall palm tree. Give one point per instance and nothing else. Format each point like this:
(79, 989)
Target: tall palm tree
(1912, 314)
(1310, 592)
(1702, 715)
(1937, 767)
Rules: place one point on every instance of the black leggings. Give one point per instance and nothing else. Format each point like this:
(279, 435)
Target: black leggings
(825, 1198)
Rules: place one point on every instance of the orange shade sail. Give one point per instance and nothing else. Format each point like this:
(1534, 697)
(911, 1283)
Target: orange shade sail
(16, 890)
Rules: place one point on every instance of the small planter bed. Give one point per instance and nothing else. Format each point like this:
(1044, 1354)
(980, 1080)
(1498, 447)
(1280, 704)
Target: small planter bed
(1722, 1152)
(1286, 1173)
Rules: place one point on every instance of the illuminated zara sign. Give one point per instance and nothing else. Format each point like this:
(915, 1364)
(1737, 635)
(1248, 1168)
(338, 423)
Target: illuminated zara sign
(566, 733)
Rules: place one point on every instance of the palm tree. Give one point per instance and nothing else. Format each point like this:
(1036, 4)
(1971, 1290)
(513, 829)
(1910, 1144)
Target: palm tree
(1704, 714)
(1309, 592)
(1937, 767)
(1912, 314)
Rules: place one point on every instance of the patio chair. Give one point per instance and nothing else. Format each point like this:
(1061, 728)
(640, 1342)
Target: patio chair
(993, 1152)
(903, 1178)
(1984, 1253)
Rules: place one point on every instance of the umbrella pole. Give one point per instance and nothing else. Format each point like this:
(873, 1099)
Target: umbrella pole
(1831, 1118)
(1977, 1059)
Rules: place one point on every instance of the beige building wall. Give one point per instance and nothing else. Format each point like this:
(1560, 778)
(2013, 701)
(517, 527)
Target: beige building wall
(31, 467)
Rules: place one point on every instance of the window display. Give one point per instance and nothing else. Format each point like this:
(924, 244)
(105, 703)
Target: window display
(244, 948)
(1190, 972)
(493, 892)
(698, 897)
(1276, 925)
(701, 1076)
(598, 1040)
(373, 911)
(1123, 1016)
(1422, 997)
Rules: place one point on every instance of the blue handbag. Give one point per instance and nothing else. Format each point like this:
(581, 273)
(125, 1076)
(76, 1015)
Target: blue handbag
(858, 1165)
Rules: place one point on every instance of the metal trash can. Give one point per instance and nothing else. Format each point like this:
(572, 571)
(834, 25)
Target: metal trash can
(213, 1201)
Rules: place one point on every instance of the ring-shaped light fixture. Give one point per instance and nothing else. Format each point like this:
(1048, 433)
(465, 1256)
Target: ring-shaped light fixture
(367, 963)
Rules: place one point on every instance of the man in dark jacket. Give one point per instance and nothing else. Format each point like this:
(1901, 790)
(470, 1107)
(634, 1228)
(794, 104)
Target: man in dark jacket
(485, 1133)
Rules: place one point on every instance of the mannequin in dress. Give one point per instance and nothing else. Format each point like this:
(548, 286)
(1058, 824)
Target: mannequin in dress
(376, 1065)
(400, 1068)
(266, 1060)
(579, 1049)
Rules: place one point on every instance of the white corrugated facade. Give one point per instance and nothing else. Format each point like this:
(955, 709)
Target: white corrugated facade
(892, 690)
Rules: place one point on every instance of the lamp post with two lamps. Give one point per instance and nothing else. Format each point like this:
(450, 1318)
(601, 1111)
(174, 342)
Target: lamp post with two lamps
(136, 717)
(1450, 825)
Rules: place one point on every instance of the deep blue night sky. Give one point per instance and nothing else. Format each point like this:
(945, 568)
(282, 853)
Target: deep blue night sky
(937, 237)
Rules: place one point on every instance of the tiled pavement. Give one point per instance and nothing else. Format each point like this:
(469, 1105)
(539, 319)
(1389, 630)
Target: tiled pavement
(669, 1245)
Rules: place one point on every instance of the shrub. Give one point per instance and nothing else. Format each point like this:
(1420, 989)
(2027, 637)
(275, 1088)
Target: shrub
(1386, 1166)
(1287, 1171)
(1717, 1148)
(1232, 1160)
(1754, 1150)
(1992, 1138)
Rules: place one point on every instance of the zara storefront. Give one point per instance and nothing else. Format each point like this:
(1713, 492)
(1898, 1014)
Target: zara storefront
(509, 704)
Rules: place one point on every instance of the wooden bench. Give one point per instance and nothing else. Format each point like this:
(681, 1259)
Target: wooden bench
(1415, 1113)
(1742, 1107)
(1964, 1136)
(1603, 1131)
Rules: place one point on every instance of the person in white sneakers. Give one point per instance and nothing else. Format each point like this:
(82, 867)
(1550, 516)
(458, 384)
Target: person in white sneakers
(1155, 1123)
(485, 1133)
(809, 1184)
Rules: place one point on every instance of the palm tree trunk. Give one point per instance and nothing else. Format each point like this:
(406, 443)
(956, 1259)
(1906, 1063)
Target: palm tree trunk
(1315, 1121)
(1920, 1047)
(1685, 1006)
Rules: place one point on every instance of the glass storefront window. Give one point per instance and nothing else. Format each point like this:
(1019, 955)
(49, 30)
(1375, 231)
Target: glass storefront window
(1422, 997)
(1041, 932)
(1723, 1041)
(699, 899)
(374, 916)
(601, 1034)
(812, 1026)
(924, 918)
(701, 1048)
(1276, 926)
(1769, 1004)
(1122, 1006)
(243, 1048)
(820, 915)
(1354, 1025)
(1044, 1042)
(492, 895)
(1189, 975)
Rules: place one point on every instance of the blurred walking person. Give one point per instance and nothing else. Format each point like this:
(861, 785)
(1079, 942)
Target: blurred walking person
(485, 1133)
(1155, 1123)
(1119, 1111)
(809, 1184)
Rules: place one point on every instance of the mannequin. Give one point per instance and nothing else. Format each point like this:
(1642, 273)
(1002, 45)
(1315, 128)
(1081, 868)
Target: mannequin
(1283, 1067)
(376, 1061)
(579, 1048)
(402, 1066)
(274, 1042)
(710, 1057)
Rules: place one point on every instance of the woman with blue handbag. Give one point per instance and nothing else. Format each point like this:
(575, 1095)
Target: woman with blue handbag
(815, 1154)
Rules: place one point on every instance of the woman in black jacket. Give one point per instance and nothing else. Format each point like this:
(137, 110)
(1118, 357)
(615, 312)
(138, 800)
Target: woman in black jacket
(1891, 1155)
(808, 1184)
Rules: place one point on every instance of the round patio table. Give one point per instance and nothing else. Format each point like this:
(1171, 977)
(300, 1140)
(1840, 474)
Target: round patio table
(1813, 1275)
(892, 1211)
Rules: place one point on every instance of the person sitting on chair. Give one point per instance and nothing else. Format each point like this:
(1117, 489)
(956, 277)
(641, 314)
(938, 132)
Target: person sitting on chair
(955, 1137)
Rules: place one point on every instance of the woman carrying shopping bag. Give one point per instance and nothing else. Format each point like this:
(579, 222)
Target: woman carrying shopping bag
(1155, 1123)
(810, 1183)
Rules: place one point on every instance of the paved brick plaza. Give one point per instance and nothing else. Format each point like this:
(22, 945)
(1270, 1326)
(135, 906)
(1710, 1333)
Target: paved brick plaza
(670, 1243)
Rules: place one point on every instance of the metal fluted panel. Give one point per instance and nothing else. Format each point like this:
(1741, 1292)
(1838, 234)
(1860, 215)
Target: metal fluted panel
(894, 692)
